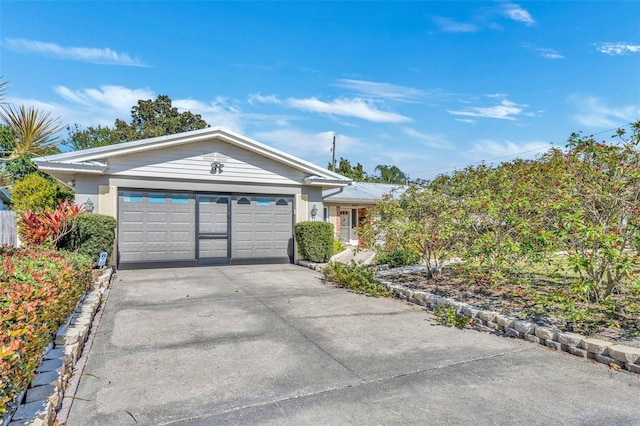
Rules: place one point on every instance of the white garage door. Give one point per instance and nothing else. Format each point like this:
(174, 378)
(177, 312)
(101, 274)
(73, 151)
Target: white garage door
(180, 229)
(261, 228)
(155, 227)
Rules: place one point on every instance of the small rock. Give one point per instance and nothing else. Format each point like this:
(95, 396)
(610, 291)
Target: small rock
(487, 315)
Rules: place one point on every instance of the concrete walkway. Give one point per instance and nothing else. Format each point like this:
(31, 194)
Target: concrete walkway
(273, 345)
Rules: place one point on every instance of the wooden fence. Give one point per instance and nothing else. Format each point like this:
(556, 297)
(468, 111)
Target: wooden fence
(8, 234)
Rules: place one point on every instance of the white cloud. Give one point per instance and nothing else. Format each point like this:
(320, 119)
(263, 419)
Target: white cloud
(381, 90)
(448, 25)
(518, 14)
(257, 98)
(544, 52)
(501, 149)
(94, 55)
(507, 110)
(309, 145)
(353, 107)
(595, 112)
(219, 112)
(344, 107)
(101, 106)
(432, 141)
(617, 49)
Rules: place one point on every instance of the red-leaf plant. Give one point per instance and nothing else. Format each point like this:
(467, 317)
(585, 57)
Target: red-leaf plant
(47, 228)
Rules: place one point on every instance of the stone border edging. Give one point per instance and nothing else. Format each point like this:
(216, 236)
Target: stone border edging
(45, 394)
(608, 353)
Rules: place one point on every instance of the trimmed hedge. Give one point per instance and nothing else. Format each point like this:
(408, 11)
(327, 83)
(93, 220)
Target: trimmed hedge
(91, 234)
(315, 240)
(39, 289)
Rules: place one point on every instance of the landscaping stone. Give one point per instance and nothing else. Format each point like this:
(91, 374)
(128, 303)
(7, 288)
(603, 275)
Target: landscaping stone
(578, 352)
(605, 359)
(546, 333)
(634, 368)
(31, 410)
(595, 346)
(625, 354)
(512, 332)
(493, 325)
(504, 321)
(571, 340)
(553, 345)
(531, 338)
(470, 311)
(51, 365)
(40, 393)
(46, 378)
(487, 315)
(524, 327)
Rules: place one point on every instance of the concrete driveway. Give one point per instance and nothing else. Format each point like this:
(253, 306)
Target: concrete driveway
(273, 345)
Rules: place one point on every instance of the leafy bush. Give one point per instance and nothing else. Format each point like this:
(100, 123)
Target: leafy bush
(315, 240)
(355, 277)
(90, 235)
(449, 318)
(34, 193)
(39, 289)
(397, 257)
(48, 228)
(338, 246)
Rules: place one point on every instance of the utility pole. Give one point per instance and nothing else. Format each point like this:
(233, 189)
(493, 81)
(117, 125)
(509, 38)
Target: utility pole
(333, 153)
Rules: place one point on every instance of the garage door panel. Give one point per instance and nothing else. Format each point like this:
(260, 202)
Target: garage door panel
(151, 227)
(261, 228)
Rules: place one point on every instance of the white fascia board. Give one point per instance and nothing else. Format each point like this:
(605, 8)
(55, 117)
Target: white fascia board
(45, 166)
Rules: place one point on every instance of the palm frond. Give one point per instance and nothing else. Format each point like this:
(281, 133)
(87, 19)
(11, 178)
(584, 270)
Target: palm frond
(32, 131)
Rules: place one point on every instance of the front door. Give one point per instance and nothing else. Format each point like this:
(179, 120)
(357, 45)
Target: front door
(212, 219)
(345, 226)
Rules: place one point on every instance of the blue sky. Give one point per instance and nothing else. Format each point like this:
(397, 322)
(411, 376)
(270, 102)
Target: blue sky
(426, 86)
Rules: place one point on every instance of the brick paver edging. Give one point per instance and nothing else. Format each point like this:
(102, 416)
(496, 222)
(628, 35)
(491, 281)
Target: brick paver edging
(45, 394)
(608, 353)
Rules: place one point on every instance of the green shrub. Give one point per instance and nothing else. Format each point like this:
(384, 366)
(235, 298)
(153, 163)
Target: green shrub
(450, 318)
(397, 257)
(315, 240)
(355, 277)
(91, 234)
(34, 193)
(39, 290)
(338, 246)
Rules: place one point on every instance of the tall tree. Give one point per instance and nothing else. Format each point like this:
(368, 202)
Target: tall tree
(390, 174)
(149, 119)
(345, 168)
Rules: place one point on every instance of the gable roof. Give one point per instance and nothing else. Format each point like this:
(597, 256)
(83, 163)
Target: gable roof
(93, 160)
(361, 192)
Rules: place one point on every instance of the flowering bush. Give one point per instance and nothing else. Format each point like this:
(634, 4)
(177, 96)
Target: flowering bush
(39, 289)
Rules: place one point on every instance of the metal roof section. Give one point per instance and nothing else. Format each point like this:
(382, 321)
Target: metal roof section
(361, 192)
(91, 160)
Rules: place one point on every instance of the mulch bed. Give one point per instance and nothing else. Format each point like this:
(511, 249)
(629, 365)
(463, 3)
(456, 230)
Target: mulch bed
(542, 301)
